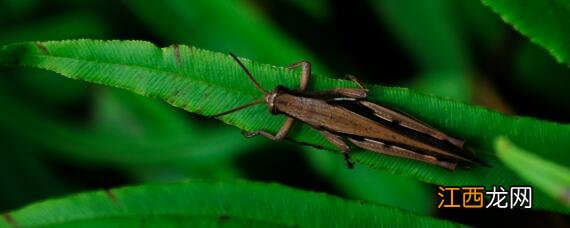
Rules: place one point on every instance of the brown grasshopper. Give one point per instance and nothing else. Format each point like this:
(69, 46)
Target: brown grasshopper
(343, 114)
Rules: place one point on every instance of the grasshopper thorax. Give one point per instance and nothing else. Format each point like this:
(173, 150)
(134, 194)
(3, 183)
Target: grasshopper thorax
(270, 99)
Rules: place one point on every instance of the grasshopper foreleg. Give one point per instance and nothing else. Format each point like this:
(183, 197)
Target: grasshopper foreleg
(305, 73)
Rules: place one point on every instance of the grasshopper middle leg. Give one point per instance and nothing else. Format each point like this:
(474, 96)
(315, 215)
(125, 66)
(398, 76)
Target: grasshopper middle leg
(305, 73)
(347, 93)
(339, 142)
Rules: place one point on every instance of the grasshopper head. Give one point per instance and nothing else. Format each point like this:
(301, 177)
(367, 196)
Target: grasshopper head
(270, 98)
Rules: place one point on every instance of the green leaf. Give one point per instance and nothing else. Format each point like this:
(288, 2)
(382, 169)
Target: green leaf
(548, 176)
(545, 22)
(207, 83)
(207, 203)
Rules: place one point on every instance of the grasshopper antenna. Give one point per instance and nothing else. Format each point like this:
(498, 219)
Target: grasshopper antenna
(255, 102)
(249, 74)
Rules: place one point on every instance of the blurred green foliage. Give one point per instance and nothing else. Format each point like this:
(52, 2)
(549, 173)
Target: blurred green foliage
(208, 203)
(62, 136)
(425, 28)
(530, 18)
(548, 176)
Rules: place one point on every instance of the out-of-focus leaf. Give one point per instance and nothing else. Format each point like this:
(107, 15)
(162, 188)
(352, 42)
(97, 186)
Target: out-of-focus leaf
(442, 83)
(48, 87)
(162, 153)
(226, 26)
(205, 203)
(185, 76)
(480, 24)
(428, 30)
(548, 176)
(95, 146)
(544, 22)
(17, 8)
(319, 9)
(25, 177)
(66, 26)
(135, 118)
(125, 114)
(373, 185)
(532, 64)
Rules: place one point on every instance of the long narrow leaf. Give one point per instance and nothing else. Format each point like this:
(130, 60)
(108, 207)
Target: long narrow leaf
(204, 203)
(207, 83)
(545, 175)
(545, 22)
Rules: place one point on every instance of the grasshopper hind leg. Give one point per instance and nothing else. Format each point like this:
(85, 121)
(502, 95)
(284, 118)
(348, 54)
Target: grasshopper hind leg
(339, 143)
(396, 151)
(305, 73)
(356, 93)
(346, 93)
